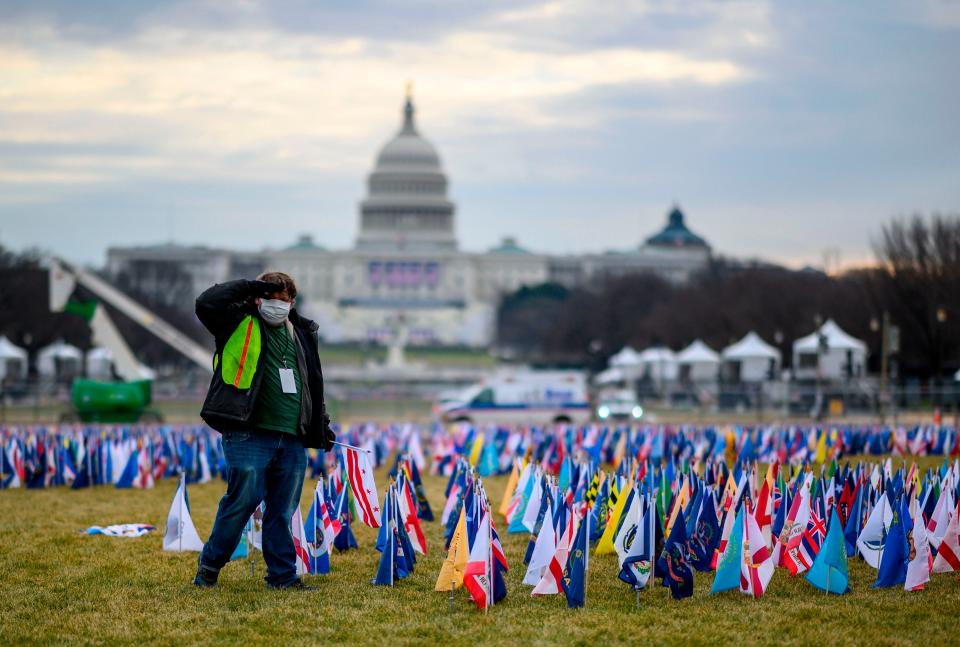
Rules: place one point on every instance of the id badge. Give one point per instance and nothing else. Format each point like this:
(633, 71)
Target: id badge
(287, 383)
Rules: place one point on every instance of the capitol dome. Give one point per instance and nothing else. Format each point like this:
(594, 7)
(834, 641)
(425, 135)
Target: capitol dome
(408, 148)
(406, 205)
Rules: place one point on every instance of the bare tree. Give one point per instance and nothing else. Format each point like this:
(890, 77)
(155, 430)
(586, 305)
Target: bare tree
(919, 284)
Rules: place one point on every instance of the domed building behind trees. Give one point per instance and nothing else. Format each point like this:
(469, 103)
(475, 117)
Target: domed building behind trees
(406, 274)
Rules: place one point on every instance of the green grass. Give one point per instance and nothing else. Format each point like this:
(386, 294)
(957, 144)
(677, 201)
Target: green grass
(60, 586)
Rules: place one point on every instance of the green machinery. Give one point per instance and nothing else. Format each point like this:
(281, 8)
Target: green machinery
(112, 402)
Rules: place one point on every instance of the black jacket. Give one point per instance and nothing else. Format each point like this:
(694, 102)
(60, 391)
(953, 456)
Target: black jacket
(220, 309)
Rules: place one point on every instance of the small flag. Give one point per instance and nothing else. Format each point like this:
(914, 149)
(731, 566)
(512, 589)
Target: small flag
(181, 535)
(829, 570)
(360, 475)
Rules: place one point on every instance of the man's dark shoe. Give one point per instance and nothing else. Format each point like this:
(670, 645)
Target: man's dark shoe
(206, 577)
(296, 585)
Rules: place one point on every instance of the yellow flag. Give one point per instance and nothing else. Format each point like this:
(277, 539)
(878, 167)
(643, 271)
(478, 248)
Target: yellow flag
(511, 486)
(476, 449)
(731, 446)
(451, 573)
(821, 456)
(605, 545)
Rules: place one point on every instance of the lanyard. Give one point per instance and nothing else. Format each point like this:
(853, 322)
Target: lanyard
(287, 342)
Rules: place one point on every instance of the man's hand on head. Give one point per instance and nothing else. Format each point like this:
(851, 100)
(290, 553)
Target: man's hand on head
(264, 289)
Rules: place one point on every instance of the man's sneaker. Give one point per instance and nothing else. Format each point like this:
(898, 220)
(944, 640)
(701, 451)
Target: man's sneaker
(296, 585)
(206, 577)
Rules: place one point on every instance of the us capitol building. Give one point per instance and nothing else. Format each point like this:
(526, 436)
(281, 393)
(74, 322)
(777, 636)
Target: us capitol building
(406, 273)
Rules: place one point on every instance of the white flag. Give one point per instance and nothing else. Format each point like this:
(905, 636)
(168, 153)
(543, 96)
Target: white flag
(181, 535)
(543, 549)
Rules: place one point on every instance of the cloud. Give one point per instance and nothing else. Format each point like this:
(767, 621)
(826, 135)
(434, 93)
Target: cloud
(275, 104)
(573, 124)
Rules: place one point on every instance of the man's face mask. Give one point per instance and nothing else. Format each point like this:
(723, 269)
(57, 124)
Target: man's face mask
(274, 311)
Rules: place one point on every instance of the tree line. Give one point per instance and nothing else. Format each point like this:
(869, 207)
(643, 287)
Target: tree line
(915, 280)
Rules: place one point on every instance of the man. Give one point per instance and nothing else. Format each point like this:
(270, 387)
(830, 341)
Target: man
(266, 398)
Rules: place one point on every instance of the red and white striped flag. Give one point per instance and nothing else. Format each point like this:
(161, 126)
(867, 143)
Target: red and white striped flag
(408, 513)
(300, 543)
(360, 475)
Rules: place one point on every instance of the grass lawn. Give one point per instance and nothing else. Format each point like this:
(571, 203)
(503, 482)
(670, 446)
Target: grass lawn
(60, 586)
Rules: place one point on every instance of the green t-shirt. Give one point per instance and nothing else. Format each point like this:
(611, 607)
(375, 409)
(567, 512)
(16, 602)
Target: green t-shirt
(274, 409)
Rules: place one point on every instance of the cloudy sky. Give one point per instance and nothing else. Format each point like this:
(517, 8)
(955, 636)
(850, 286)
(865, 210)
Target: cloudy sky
(782, 129)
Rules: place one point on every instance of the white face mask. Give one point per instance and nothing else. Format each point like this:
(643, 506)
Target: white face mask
(274, 311)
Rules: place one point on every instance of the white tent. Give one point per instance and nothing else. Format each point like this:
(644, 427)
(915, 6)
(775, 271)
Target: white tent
(100, 363)
(13, 360)
(626, 357)
(698, 362)
(751, 359)
(840, 356)
(659, 364)
(59, 359)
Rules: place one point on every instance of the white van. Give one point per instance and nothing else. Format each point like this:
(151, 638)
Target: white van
(529, 397)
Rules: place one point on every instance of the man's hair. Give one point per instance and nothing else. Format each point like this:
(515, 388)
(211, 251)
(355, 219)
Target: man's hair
(282, 278)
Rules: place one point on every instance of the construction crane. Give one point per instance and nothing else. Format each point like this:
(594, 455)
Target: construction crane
(125, 401)
(64, 278)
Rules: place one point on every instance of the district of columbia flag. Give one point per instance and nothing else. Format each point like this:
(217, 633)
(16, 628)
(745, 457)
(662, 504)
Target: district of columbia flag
(364, 489)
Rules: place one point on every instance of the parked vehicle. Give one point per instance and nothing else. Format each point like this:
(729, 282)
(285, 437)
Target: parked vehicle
(621, 404)
(527, 397)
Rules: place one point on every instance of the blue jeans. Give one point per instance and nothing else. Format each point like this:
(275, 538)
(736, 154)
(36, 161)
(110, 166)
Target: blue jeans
(261, 466)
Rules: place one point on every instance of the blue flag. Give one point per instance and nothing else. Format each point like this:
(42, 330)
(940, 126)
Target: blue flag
(706, 535)
(345, 540)
(829, 570)
(575, 571)
(313, 530)
(674, 562)
(854, 523)
(129, 471)
(389, 562)
(893, 562)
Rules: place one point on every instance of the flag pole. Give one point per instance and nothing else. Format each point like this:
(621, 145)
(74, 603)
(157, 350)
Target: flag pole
(253, 559)
(354, 447)
(453, 572)
(486, 606)
(390, 529)
(586, 559)
(180, 517)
